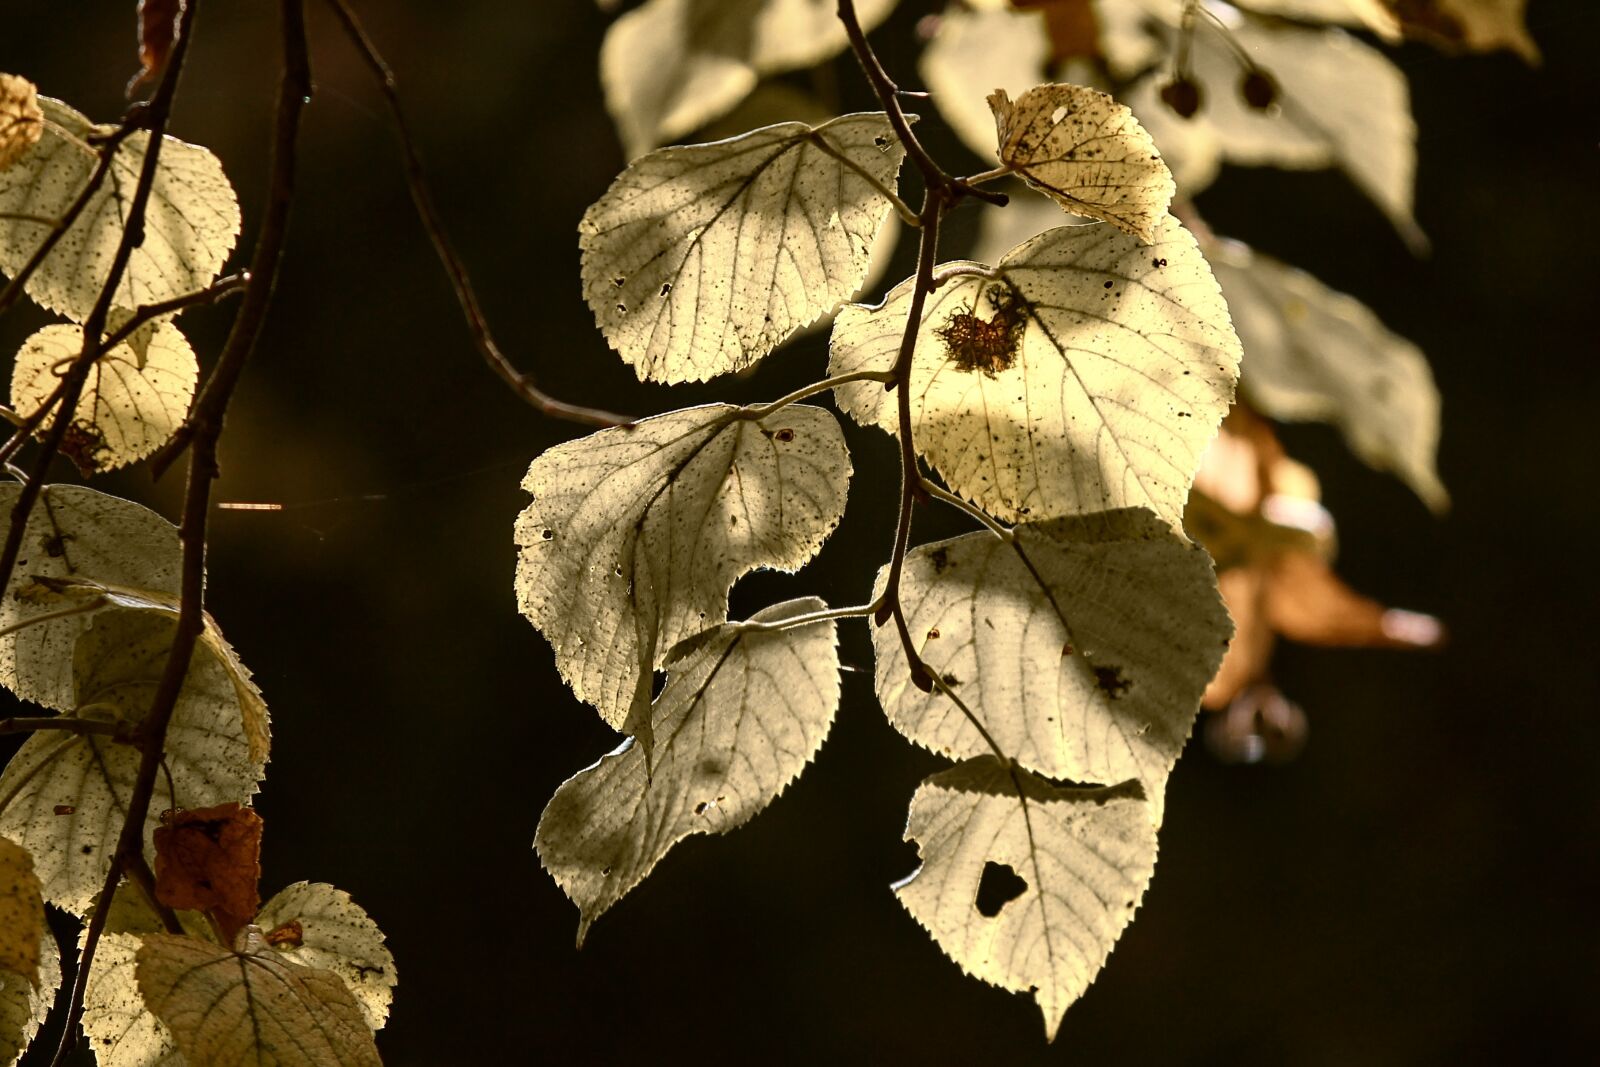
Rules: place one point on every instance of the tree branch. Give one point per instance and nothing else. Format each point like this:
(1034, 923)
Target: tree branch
(460, 280)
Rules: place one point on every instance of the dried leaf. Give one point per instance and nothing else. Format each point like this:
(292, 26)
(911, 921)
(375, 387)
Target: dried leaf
(209, 859)
(134, 398)
(740, 717)
(1087, 153)
(1086, 372)
(191, 224)
(669, 67)
(1024, 884)
(251, 1006)
(1313, 353)
(636, 534)
(21, 123)
(975, 53)
(1473, 25)
(1372, 15)
(1081, 647)
(64, 795)
(21, 913)
(23, 1007)
(333, 933)
(701, 260)
(158, 31)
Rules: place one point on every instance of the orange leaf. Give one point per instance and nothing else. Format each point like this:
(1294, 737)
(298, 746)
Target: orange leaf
(209, 859)
(158, 31)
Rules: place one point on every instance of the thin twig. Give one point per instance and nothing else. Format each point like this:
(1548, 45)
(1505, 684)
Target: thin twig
(942, 494)
(856, 612)
(23, 724)
(294, 89)
(761, 411)
(466, 294)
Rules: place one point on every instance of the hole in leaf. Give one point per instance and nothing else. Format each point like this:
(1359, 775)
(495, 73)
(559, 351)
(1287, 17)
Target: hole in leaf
(786, 435)
(1112, 682)
(666, 287)
(998, 886)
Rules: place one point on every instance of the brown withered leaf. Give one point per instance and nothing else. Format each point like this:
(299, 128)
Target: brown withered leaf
(1469, 25)
(1072, 26)
(1258, 513)
(209, 859)
(21, 120)
(158, 32)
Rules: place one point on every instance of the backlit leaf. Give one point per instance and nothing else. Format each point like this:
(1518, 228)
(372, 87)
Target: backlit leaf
(973, 54)
(1082, 647)
(23, 1007)
(739, 719)
(701, 260)
(251, 1006)
(1316, 354)
(669, 67)
(64, 795)
(315, 925)
(1087, 153)
(21, 913)
(1084, 373)
(76, 534)
(134, 398)
(1473, 25)
(636, 534)
(21, 123)
(1024, 884)
(190, 226)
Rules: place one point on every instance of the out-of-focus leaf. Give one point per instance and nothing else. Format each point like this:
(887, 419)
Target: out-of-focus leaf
(1471, 25)
(21, 119)
(25, 1004)
(21, 913)
(973, 54)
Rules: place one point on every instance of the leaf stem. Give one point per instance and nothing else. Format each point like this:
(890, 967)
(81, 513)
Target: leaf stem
(466, 295)
(942, 494)
(761, 411)
(856, 612)
(901, 208)
(980, 178)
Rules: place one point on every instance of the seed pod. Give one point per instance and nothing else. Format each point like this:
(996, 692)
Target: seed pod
(1182, 95)
(1259, 89)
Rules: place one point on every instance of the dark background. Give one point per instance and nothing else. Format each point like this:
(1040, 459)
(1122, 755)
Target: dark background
(1419, 887)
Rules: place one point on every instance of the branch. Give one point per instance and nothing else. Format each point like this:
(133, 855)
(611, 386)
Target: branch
(294, 89)
(22, 724)
(460, 280)
(961, 504)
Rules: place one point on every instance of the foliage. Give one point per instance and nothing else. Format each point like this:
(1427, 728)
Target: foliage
(1067, 389)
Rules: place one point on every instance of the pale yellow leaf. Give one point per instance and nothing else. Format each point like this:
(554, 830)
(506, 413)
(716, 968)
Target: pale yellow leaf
(1081, 647)
(21, 120)
(973, 54)
(251, 1007)
(635, 534)
(1083, 858)
(740, 717)
(23, 1007)
(1365, 14)
(669, 67)
(134, 398)
(63, 795)
(119, 1027)
(1115, 378)
(1316, 354)
(1473, 25)
(21, 913)
(334, 934)
(701, 260)
(1087, 153)
(75, 534)
(190, 226)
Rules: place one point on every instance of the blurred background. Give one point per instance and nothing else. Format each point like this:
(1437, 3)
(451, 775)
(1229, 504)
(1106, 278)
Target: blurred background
(1418, 887)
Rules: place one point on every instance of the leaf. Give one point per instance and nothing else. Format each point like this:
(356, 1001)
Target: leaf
(1084, 858)
(1473, 25)
(740, 717)
(119, 1027)
(332, 933)
(975, 53)
(1086, 372)
(21, 126)
(1340, 103)
(74, 533)
(23, 1008)
(670, 66)
(134, 398)
(1373, 15)
(63, 796)
(701, 260)
(251, 1006)
(636, 534)
(209, 859)
(158, 31)
(1317, 354)
(190, 227)
(21, 913)
(1087, 153)
(1082, 647)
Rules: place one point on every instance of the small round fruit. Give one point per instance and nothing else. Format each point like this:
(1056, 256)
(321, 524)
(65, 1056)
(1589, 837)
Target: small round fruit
(1182, 96)
(1259, 89)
